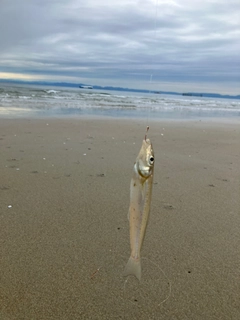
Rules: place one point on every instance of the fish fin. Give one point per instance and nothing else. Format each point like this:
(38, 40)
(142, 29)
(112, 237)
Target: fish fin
(133, 267)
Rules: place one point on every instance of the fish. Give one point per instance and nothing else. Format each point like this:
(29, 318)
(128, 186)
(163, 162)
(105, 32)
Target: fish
(139, 208)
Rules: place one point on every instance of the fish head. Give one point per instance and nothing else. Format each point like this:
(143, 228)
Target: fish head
(145, 159)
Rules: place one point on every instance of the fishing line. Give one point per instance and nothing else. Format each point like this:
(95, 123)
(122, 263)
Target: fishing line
(169, 282)
(152, 74)
(144, 297)
(143, 288)
(133, 303)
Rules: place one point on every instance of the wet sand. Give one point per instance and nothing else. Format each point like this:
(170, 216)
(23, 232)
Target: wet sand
(64, 238)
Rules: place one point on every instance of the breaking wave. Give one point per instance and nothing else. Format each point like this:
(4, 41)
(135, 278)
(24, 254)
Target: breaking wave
(45, 101)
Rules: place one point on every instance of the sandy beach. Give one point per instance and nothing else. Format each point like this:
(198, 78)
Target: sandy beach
(64, 240)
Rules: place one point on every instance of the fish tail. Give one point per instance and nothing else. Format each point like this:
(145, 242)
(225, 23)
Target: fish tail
(133, 267)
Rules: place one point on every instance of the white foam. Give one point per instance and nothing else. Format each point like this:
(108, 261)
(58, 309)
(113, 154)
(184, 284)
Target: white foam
(52, 91)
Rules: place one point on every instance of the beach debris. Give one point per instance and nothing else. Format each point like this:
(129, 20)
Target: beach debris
(56, 177)
(100, 175)
(44, 158)
(225, 180)
(140, 199)
(17, 169)
(9, 206)
(162, 134)
(168, 206)
(84, 154)
(95, 272)
(4, 188)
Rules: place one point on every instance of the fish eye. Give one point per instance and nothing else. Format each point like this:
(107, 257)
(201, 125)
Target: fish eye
(151, 159)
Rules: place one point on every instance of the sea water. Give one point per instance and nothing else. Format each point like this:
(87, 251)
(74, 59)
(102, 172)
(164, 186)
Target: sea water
(32, 100)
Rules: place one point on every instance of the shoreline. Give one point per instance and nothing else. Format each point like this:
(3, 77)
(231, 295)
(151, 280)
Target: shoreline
(136, 116)
(65, 237)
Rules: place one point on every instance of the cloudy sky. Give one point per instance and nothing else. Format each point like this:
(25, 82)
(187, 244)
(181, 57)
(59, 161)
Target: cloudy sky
(182, 45)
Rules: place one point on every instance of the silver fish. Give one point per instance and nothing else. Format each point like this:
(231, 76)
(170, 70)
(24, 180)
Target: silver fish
(140, 199)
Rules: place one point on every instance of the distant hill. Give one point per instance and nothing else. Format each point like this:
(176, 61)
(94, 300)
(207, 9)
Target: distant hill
(74, 85)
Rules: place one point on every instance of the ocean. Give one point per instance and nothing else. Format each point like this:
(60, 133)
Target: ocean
(34, 101)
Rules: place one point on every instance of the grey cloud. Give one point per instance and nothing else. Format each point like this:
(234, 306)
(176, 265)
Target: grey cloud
(175, 40)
